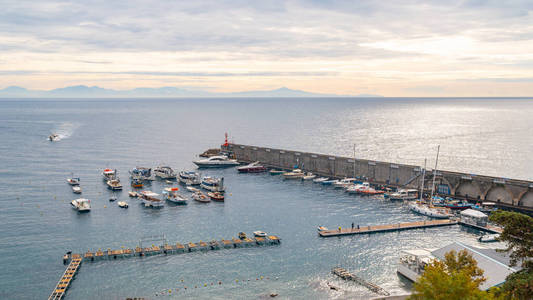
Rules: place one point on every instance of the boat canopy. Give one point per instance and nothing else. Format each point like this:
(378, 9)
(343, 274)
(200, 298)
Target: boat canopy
(473, 213)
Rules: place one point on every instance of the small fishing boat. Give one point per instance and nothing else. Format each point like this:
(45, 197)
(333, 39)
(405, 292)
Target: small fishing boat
(189, 178)
(322, 228)
(200, 197)
(73, 180)
(54, 137)
(114, 184)
(320, 179)
(141, 173)
(133, 194)
(136, 182)
(213, 184)
(489, 238)
(165, 172)
(216, 196)
(149, 199)
(328, 182)
(76, 189)
(242, 235)
(109, 174)
(343, 183)
(81, 205)
(309, 176)
(171, 194)
(260, 233)
(218, 161)
(276, 172)
(192, 189)
(254, 167)
(294, 174)
(123, 204)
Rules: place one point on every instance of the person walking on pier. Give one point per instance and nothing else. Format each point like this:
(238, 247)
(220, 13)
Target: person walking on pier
(352, 225)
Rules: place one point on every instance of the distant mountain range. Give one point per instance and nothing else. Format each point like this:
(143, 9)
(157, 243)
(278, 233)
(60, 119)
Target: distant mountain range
(83, 91)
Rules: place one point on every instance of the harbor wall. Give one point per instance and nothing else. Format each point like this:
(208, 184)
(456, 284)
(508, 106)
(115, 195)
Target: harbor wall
(509, 193)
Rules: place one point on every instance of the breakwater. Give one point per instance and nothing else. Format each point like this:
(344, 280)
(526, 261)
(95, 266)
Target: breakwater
(505, 192)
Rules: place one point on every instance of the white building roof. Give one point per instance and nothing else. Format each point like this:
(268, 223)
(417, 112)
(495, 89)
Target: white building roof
(473, 213)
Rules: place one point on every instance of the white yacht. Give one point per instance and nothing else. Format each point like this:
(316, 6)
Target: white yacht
(189, 177)
(165, 172)
(344, 183)
(294, 174)
(81, 205)
(149, 198)
(219, 161)
(213, 184)
(172, 195)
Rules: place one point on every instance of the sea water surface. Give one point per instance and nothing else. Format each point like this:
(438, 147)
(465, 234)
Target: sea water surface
(480, 136)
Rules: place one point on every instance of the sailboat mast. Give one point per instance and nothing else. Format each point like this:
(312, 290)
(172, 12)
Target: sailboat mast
(353, 160)
(435, 173)
(423, 177)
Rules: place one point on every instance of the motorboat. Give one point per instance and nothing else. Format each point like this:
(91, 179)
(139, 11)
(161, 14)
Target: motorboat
(485, 207)
(457, 205)
(189, 177)
(171, 194)
(430, 211)
(165, 172)
(150, 199)
(328, 182)
(213, 184)
(76, 189)
(254, 167)
(114, 184)
(404, 195)
(216, 196)
(192, 189)
(489, 238)
(81, 205)
(260, 233)
(309, 176)
(141, 173)
(133, 194)
(109, 174)
(294, 174)
(200, 197)
(371, 192)
(123, 204)
(73, 180)
(344, 182)
(320, 179)
(242, 235)
(276, 172)
(136, 181)
(358, 188)
(218, 161)
(54, 137)
(322, 228)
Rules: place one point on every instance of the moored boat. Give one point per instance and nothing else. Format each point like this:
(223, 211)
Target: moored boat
(81, 204)
(171, 194)
(123, 204)
(320, 179)
(150, 199)
(76, 189)
(404, 194)
(73, 180)
(141, 173)
(430, 211)
(136, 182)
(213, 184)
(254, 167)
(114, 184)
(276, 172)
(329, 182)
(189, 177)
(358, 188)
(165, 172)
(218, 161)
(489, 238)
(192, 189)
(294, 174)
(133, 194)
(457, 205)
(200, 197)
(322, 228)
(309, 176)
(216, 196)
(109, 174)
(260, 233)
(343, 183)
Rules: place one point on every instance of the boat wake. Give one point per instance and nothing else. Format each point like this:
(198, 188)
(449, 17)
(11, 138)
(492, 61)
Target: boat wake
(65, 130)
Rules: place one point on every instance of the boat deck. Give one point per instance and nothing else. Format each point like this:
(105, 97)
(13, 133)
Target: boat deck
(385, 228)
(66, 279)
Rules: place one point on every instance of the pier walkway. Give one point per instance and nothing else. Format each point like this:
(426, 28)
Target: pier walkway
(342, 273)
(387, 227)
(66, 279)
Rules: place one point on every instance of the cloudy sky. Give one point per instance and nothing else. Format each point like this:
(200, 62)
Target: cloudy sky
(391, 48)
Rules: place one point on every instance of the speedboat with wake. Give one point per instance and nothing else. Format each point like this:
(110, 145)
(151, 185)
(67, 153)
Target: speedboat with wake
(54, 137)
(219, 161)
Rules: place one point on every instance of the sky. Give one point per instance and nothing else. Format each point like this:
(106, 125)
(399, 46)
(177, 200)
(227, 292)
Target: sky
(390, 48)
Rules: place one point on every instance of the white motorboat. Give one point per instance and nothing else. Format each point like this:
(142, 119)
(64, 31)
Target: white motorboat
(430, 211)
(200, 197)
(404, 194)
(192, 189)
(81, 205)
(114, 184)
(322, 228)
(260, 233)
(294, 174)
(190, 177)
(150, 199)
(109, 174)
(489, 238)
(309, 176)
(358, 188)
(320, 179)
(73, 180)
(343, 183)
(123, 204)
(54, 137)
(165, 172)
(219, 161)
(171, 194)
(213, 184)
(76, 189)
(133, 194)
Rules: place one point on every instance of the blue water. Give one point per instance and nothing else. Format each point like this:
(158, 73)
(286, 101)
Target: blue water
(482, 136)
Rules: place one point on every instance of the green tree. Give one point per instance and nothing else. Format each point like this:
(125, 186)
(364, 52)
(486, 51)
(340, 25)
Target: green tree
(455, 277)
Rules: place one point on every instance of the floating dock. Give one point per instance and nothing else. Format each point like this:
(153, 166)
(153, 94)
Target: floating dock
(342, 273)
(385, 228)
(66, 279)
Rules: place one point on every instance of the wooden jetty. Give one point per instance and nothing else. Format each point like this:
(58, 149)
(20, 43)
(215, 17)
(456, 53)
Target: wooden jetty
(387, 227)
(66, 279)
(342, 273)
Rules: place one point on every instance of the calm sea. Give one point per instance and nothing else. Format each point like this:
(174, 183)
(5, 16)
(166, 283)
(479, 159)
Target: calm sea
(481, 136)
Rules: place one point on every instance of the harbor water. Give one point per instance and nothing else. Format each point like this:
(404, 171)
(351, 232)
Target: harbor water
(479, 136)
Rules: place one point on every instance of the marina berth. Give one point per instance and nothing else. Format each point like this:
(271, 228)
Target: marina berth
(294, 174)
(164, 172)
(213, 184)
(150, 199)
(171, 194)
(189, 177)
(219, 161)
(81, 205)
(254, 167)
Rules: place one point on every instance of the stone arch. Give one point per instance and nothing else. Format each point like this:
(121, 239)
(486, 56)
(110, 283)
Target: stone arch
(526, 199)
(442, 180)
(499, 193)
(469, 188)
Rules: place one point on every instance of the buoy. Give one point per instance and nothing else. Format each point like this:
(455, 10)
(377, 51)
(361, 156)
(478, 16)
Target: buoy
(236, 280)
(105, 206)
(205, 284)
(220, 282)
(170, 291)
